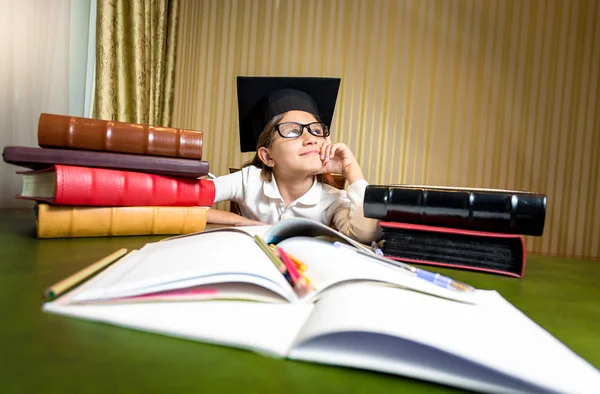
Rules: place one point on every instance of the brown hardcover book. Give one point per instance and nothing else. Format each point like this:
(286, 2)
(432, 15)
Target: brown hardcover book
(62, 131)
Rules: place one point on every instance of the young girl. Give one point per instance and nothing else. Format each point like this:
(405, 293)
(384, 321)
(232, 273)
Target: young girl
(287, 177)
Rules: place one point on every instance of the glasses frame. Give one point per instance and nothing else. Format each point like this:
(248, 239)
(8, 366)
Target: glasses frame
(326, 131)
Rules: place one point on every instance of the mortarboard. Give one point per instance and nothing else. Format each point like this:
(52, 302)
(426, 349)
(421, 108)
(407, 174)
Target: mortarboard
(261, 98)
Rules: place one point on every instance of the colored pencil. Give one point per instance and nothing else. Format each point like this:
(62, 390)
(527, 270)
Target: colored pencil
(288, 264)
(65, 284)
(278, 263)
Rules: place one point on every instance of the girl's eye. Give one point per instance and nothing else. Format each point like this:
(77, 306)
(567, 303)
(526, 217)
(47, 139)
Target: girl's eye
(318, 130)
(289, 129)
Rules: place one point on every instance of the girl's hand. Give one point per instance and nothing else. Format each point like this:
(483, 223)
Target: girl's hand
(338, 159)
(335, 157)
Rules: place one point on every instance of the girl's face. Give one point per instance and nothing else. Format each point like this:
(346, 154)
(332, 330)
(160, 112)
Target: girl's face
(290, 156)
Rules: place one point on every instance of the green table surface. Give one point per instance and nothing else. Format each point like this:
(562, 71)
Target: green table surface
(48, 353)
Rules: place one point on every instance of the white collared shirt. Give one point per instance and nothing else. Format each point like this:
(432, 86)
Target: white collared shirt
(260, 200)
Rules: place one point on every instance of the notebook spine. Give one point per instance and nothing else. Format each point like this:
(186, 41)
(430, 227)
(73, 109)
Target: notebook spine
(72, 132)
(103, 187)
(71, 222)
(500, 211)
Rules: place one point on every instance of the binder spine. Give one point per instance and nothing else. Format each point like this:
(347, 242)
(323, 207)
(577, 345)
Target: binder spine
(102, 135)
(495, 211)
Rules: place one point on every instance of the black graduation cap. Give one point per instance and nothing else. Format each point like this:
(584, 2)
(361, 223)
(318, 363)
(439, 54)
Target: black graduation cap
(261, 98)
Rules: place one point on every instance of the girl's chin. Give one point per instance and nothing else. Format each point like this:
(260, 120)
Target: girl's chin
(310, 168)
(314, 161)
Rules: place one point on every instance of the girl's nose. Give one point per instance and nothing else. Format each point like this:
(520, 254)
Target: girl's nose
(308, 139)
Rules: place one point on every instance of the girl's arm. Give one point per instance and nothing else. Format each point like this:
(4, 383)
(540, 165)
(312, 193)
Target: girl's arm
(217, 216)
(229, 188)
(347, 213)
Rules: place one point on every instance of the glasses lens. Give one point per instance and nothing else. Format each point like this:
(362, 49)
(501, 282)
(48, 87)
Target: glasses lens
(290, 130)
(319, 129)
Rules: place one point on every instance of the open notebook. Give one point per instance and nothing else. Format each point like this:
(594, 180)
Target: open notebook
(360, 314)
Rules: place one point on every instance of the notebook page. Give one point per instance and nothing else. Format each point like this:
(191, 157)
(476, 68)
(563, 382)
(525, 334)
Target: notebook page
(328, 266)
(251, 230)
(210, 292)
(214, 257)
(302, 227)
(473, 346)
(254, 230)
(264, 328)
(94, 287)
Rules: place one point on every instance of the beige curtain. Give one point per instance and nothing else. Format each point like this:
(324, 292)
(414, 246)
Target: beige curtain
(498, 94)
(135, 60)
(34, 78)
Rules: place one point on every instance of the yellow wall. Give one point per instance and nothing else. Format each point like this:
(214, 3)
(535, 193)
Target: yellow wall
(500, 94)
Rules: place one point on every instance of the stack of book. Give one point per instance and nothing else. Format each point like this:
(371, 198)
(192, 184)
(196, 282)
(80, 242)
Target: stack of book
(94, 177)
(465, 228)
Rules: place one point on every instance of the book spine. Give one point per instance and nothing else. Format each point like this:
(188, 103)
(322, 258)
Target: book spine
(494, 211)
(40, 158)
(72, 132)
(70, 222)
(498, 253)
(104, 187)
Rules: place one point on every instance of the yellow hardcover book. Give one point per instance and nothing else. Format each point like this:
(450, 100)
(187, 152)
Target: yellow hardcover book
(55, 221)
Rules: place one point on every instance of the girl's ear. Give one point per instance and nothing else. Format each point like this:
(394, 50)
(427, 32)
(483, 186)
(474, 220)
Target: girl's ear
(265, 157)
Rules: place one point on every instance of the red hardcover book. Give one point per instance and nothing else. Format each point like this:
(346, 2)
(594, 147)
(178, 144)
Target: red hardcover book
(71, 185)
(497, 253)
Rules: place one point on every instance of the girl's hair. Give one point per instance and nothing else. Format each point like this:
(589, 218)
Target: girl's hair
(265, 139)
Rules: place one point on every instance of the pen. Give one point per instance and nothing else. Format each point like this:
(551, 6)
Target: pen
(435, 278)
(375, 249)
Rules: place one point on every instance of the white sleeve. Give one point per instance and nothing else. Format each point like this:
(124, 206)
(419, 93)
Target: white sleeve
(349, 218)
(230, 187)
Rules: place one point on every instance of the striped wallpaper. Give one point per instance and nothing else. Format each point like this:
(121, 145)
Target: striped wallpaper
(497, 94)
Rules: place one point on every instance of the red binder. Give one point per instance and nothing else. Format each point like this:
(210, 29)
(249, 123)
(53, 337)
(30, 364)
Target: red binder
(71, 185)
(496, 253)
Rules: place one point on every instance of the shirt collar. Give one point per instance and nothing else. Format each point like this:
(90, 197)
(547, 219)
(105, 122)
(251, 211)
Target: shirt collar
(311, 197)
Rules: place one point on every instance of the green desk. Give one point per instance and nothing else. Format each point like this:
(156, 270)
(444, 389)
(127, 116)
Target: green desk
(43, 353)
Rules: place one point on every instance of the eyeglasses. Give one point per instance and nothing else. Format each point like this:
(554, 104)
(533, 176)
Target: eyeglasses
(295, 130)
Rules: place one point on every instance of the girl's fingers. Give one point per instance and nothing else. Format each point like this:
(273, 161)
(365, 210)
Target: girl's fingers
(333, 150)
(328, 153)
(323, 151)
